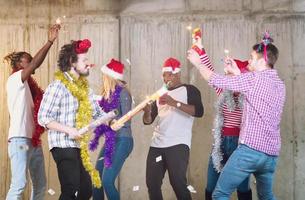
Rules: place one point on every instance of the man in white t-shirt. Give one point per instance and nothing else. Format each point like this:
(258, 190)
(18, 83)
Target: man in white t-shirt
(21, 90)
(169, 150)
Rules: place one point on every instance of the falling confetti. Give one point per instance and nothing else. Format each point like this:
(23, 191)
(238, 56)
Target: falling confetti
(159, 158)
(133, 100)
(101, 158)
(128, 61)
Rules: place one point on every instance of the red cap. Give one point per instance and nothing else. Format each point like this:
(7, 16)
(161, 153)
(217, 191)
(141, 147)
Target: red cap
(171, 65)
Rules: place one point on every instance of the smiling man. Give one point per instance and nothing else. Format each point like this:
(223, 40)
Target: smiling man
(260, 141)
(66, 103)
(23, 99)
(171, 143)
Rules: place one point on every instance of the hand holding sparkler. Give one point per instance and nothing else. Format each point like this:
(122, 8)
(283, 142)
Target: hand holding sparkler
(197, 41)
(231, 66)
(53, 32)
(60, 21)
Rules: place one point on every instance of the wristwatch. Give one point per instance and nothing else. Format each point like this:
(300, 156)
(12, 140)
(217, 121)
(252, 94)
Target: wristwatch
(178, 104)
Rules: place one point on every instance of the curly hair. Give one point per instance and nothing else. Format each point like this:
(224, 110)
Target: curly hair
(67, 56)
(13, 58)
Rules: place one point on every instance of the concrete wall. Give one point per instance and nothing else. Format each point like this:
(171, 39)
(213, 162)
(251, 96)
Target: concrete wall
(23, 26)
(147, 32)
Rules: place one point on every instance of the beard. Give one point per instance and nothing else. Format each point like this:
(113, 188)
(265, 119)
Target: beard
(82, 72)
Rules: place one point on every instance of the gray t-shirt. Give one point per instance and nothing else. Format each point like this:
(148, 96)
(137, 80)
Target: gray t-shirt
(173, 125)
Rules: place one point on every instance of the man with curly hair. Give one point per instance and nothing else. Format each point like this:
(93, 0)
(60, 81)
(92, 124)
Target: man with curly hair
(67, 102)
(23, 99)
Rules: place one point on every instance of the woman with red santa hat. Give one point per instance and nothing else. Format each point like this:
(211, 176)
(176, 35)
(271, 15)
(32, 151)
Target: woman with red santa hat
(118, 143)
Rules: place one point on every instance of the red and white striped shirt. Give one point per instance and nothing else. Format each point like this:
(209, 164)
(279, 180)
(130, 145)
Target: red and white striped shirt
(231, 119)
(262, 109)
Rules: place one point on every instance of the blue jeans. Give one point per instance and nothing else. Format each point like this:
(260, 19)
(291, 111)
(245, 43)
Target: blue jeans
(25, 157)
(243, 162)
(123, 148)
(229, 144)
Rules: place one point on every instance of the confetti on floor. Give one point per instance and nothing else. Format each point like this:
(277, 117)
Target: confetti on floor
(51, 191)
(136, 188)
(191, 189)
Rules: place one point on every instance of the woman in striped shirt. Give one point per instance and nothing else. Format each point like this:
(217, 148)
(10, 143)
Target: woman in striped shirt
(225, 132)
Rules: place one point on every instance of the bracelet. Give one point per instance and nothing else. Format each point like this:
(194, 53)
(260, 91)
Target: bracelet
(50, 41)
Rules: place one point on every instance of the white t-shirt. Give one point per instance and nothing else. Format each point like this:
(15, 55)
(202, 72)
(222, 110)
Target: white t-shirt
(173, 125)
(20, 106)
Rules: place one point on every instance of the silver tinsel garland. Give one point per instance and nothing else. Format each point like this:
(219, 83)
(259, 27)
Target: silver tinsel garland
(226, 97)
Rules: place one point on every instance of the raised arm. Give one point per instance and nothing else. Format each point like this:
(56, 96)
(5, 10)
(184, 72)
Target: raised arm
(205, 60)
(241, 83)
(41, 54)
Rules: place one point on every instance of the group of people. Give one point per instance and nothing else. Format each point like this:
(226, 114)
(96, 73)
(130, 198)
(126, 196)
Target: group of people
(246, 128)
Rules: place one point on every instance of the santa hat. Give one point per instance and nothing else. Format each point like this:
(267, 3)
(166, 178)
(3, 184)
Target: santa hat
(242, 65)
(114, 69)
(171, 65)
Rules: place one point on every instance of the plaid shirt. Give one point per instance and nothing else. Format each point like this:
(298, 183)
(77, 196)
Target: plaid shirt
(264, 101)
(59, 105)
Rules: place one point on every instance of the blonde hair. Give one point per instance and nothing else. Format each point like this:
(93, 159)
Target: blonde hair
(109, 84)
